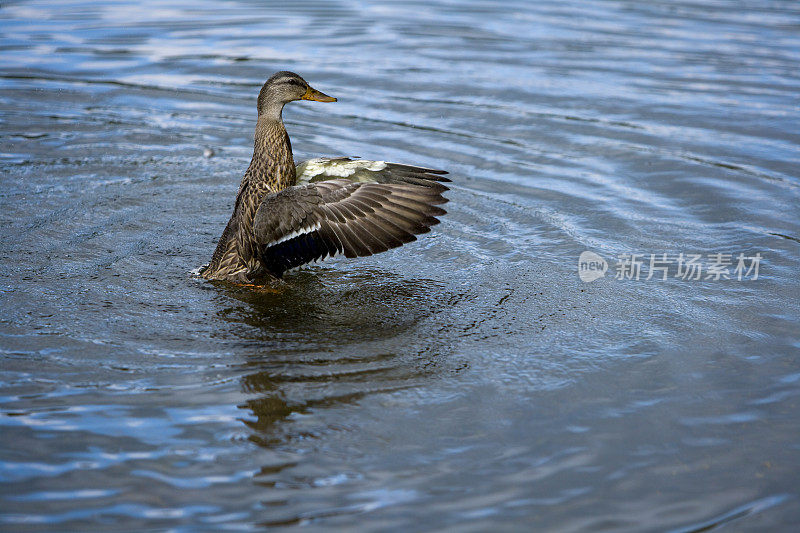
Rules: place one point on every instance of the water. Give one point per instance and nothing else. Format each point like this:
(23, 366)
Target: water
(470, 380)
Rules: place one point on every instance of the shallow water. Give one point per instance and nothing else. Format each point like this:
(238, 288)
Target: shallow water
(470, 380)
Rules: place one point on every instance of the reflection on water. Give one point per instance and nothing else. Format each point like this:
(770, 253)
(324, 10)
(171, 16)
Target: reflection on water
(468, 380)
(330, 337)
(335, 308)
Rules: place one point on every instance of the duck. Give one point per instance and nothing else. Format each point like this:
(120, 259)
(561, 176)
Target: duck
(286, 215)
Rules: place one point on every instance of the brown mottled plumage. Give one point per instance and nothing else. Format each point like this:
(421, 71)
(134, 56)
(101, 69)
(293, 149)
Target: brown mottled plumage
(337, 206)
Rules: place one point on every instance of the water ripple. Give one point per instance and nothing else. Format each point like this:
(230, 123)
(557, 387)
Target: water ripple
(470, 381)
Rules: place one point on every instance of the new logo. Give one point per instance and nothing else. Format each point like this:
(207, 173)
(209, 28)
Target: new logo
(591, 266)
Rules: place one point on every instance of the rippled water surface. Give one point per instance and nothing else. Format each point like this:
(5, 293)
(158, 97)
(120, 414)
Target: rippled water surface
(470, 380)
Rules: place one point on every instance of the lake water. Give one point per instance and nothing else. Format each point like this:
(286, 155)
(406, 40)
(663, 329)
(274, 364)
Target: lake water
(468, 381)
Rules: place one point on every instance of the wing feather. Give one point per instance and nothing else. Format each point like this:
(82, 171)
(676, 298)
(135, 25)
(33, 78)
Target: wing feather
(366, 171)
(329, 217)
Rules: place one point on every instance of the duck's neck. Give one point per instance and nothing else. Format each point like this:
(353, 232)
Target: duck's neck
(272, 166)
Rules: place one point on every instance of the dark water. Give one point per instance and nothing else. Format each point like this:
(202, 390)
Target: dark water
(468, 381)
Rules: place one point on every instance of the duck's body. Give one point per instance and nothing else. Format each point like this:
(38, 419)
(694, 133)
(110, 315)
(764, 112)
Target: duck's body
(284, 218)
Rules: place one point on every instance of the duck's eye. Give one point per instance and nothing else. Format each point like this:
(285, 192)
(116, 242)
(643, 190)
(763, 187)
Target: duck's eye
(292, 81)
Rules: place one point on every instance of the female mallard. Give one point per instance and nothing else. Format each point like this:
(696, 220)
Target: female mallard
(285, 217)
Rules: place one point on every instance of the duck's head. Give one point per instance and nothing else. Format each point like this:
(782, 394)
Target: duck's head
(284, 87)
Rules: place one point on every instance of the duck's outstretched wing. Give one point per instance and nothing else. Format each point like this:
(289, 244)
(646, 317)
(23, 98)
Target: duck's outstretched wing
(363, 171)
(311, 222)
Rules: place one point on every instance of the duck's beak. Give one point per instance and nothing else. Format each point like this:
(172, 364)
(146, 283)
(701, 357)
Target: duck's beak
(315, 95)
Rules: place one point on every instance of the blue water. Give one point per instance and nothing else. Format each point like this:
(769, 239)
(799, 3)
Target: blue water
(470, 380)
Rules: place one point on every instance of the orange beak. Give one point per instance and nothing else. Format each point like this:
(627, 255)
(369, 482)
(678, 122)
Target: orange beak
(315, 95)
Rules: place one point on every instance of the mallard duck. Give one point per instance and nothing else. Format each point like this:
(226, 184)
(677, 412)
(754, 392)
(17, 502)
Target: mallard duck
(287, 216)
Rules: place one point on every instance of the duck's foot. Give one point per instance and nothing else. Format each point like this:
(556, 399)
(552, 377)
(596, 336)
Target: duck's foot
(262, 284)
(275, 287)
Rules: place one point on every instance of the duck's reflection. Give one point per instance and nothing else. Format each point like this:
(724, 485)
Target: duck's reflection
(329, 338)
